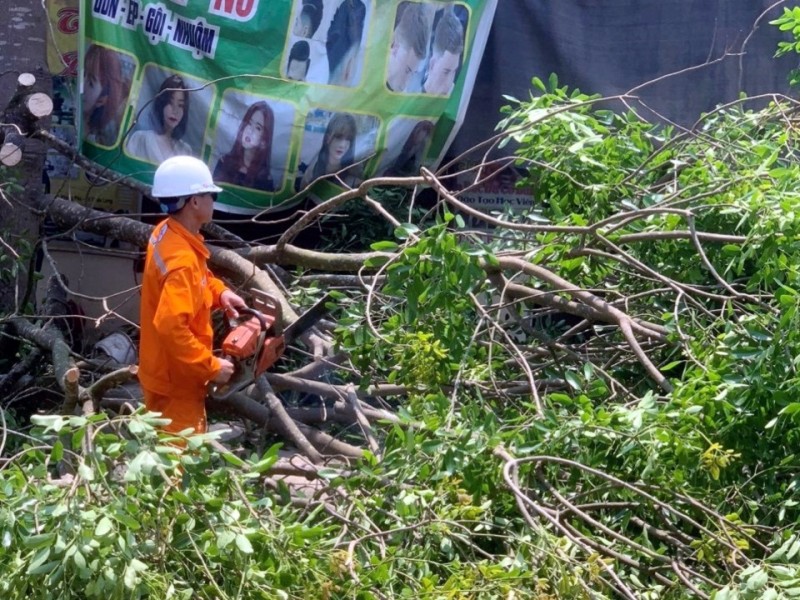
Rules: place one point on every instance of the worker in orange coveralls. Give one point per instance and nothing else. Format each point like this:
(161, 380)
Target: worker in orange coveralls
(178, 295)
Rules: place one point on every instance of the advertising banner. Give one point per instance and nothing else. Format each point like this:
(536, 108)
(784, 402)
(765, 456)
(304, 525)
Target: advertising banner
(277, 96)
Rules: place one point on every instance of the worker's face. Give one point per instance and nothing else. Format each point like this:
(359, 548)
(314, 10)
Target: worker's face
(441, 73)
(402, 65)
(253, 133)
(297, 69)
(203, 205)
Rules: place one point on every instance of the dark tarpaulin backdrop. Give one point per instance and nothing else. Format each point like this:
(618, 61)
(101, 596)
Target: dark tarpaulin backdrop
(611, 46)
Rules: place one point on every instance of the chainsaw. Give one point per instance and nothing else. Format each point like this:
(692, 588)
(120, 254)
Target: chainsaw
(255, 342)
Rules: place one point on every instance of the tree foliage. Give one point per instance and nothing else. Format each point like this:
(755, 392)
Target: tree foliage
(595, 398)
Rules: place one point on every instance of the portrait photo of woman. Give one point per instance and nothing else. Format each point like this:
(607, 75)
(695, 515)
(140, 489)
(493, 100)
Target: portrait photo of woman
(104, 94)
(248, 162)
(337, 150)
(169, 116)
(408, 162)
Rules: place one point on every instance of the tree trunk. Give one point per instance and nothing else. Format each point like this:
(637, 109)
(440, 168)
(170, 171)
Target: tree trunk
(24, 35)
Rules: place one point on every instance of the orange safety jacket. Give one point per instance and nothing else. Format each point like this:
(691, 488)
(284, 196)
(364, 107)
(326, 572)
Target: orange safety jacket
(178, 294)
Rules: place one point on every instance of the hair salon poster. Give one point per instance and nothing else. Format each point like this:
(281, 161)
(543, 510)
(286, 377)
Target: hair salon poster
(277, 96)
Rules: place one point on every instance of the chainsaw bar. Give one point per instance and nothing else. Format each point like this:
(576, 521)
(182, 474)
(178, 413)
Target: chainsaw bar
(307, 320)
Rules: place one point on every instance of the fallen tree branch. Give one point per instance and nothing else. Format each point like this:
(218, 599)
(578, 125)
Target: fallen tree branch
(281, 381)
(283, 423)
(84, 163)
(366, 428)
(98, 389)
(244, 406)
(50, 340)
(320, 209)
(624, 322)
(310, 259)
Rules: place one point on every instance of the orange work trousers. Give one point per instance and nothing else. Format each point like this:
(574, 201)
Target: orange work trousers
(185, 406)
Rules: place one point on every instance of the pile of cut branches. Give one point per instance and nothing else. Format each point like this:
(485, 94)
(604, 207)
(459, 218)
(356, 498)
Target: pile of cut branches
(595, 396)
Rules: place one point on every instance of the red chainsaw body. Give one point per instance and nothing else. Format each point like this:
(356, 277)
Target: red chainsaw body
(245, 338)
(256, 341)
(254, 344)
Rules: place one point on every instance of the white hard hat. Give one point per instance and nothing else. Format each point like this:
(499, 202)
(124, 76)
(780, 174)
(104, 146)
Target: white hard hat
(183, 176)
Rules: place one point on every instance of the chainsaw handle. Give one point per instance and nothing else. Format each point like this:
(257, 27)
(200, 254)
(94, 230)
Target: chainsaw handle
(262, 319)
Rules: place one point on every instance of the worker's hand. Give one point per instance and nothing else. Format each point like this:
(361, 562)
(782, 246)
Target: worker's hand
(225, 371)
(230, 302)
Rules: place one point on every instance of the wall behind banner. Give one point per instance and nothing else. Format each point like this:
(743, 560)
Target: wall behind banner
(64, 177)
(277, 96)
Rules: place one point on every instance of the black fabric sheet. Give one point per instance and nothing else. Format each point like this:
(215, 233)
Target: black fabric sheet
(712, 48)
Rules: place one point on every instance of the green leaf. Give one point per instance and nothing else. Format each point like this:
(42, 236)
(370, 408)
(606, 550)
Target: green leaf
(588, 371)
(793, 550)
(757, 580)
(49, 422)
(244, 544)
(328, 473)
(225, 539)
(57, 453)
(559, 398)
(127, 520)
(104, 527)
(769, 594)
(405, 231)
(232, 459)
(38, 540)
(76, 422)
(136, 427)
(672, 365)
(572, 380)
(79, 559)
(182, 497)
(129, 578)
(790, 409)
(142, 463)
(265, 464)
(725, 593)
(44, 569)
(373, 262)
(214, 504)
(38, 560)
(388, 246)
(138, 566)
